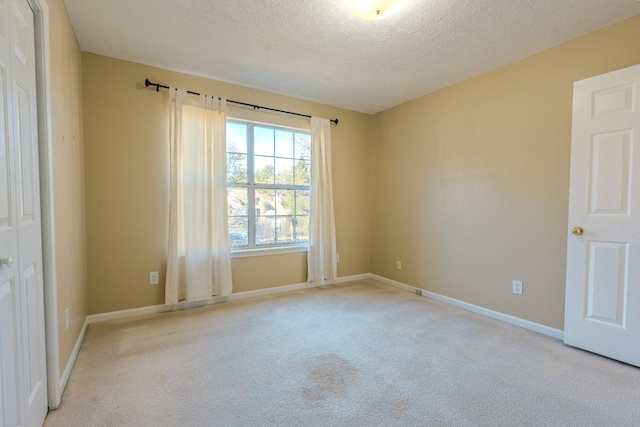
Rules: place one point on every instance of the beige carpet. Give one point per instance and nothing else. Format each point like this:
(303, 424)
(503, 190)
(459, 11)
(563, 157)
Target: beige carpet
(357, 354)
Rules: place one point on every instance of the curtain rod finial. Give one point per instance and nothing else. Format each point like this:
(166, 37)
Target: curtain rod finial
(147, 83)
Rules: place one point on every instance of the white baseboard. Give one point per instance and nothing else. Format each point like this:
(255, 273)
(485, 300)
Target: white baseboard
(507, 318)
(163, 308)
(346, 279)
(72, 359)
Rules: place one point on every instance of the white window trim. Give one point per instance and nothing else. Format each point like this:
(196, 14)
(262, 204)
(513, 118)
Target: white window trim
(271, 250)
(244, 252)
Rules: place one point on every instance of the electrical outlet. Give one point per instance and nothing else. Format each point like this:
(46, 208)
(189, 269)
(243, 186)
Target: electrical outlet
(66, 319)
(337, 257)
(517, 287)
(398, 265)
(418, 291)
(154, 278)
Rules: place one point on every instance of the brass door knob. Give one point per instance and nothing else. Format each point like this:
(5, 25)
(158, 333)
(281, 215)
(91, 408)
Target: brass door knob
(578, 231)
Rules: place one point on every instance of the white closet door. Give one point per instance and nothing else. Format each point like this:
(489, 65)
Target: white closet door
(22, 341)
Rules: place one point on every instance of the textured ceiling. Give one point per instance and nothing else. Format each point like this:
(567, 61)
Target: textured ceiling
(318, 50)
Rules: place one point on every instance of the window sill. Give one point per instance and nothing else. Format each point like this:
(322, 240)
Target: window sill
(278, 250)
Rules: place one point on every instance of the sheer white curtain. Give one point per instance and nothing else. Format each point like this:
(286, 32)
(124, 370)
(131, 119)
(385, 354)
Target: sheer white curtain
(321, 258)
(199, 263)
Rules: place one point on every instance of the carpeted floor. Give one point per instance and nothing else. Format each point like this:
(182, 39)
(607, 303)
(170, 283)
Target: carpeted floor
(356, 354)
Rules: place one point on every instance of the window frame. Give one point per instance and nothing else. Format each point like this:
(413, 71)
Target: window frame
(252, 249)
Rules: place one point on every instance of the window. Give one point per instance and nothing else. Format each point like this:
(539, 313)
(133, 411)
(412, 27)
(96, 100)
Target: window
(268, 192)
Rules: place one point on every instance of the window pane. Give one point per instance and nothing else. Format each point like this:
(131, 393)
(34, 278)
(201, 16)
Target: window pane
(265, 202)
(265, 217)
(302, 172)
(263, 143)
(284, 232)
(238, 220)
(263, 170)
(284, 144)
(302, 228)
(286, 202)
(238, 201)
(303, 202)
(284, 171)
(303, 146)
(236, 167)
(265, 230)
(238, 231)
(237, 137)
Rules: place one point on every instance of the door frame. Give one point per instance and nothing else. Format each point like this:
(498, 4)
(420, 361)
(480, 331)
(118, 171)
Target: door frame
(45, 154)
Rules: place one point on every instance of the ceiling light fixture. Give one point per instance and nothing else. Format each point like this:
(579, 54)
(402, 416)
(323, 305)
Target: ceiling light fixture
(375, 9)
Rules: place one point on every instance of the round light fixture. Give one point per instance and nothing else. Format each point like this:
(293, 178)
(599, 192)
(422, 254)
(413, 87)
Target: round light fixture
(374, 9)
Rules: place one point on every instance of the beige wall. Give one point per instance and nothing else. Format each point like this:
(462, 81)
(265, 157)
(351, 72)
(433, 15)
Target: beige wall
(470, 184)
(467, 186)
(126, 167)
(68, 179)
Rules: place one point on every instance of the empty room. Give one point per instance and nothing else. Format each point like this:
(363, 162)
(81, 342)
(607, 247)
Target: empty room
(327, 212)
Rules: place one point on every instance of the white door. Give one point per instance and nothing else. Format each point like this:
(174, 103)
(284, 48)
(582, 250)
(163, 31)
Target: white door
(23, 398)
(602, 309)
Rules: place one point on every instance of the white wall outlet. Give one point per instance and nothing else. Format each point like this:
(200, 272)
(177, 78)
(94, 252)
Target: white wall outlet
(66, 319)
(337, 257)
(398, 265)
(517, 287)
(154, 278)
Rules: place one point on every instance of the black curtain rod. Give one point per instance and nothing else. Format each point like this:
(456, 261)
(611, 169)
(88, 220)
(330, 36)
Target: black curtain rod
(147, 83)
